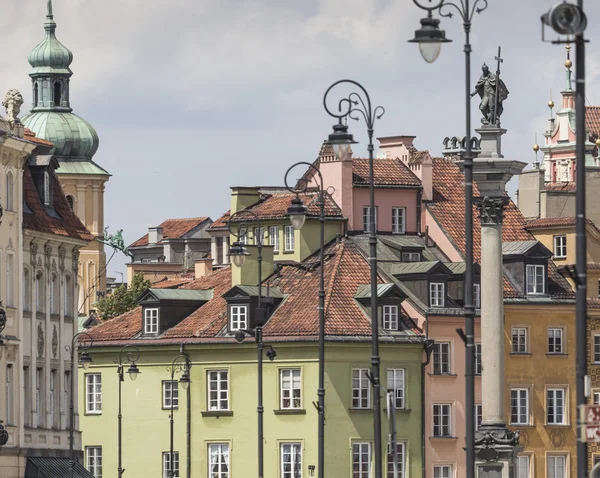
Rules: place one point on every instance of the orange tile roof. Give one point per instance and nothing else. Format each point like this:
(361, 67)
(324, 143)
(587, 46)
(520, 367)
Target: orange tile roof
(386, 172)
(221, 222)
(170, 283)
(548, 222)
(173, 229)
(31, 137)
(592, 120)
(561, 186)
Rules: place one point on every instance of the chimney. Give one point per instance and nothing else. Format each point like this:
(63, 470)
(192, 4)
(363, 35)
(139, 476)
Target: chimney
(337, 178)
(426, 176)
(248, 273)
(202, 267)
(397, 146)
(155, 234)
(243, 197)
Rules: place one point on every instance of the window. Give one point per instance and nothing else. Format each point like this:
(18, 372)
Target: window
(596, 398)
(291, 388)
(93, 459)
(441, 357)
(67, 391)
(442, 471)
(361, 460)
(436, 294)
(535, 279)
(519, 340)
(71, 202)
(218, 460)
(555, 406)
(523, 466)
(69, 294)
(274, 237)
(10, 193)
(10, 280)
(10, 394)
(395, 383)
(243, 235)
(398, 224)
(259, 235)
(361, 388)
(39, 376)
(167, 464)
(57, 94)
(93, 393)
(442, 416)
(170, 393)
(289, 238)
(478, 359)
(238, 317)
(477, 295)
(47, 189)
(478, 415)
(40, 296)
(519, 406)
(367, 219)
(390, 462)
(26, 290)
(560, 247)
(596, 348)
(53, 402)
(150, 321)
(27, 396)
(390, 317)
(291, 460)
(555, 340)
(411, 257)
(556, 466)
(54, 295)
(218, 390)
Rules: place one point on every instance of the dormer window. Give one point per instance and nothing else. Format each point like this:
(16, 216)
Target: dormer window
(436, 294)
(535, 279)
(390, 317)
(411, 257)
(47, 189)
(238, 317)
(151, 321)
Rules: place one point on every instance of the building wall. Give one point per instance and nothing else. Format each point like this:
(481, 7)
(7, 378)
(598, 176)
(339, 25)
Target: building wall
(385, 199)
(530, 184)
(145, 438)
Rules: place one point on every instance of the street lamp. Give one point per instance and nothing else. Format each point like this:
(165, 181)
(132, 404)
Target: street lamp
(128, 354)
(240, 335)
(182, 364)
(430, 37)
(81, 341)
(297, 214)
(354, 105)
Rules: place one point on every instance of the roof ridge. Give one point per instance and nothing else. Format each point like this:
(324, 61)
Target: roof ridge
(197, 218)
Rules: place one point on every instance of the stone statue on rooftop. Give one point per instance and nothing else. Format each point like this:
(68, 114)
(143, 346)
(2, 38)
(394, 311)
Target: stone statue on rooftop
(492, 91)
(12, 103)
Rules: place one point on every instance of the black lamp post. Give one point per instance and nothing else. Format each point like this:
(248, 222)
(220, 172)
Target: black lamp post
(128, 354)
(351, 107)
(430, 37)
(297, 213)
(3, 432)
(181, 364)
(271, 354)
(83, 342)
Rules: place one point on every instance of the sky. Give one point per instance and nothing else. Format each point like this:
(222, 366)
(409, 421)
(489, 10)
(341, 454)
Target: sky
(191, 97)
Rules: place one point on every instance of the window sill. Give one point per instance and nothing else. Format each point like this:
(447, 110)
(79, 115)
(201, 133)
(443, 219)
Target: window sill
(523, 354)
(290, 411)
(443, 438)
(352, 409)
(288, 252)
(559, 425)
(93, 414)
(400, 410)
(443, 374)
(521, 425)
(548, 354)
(217, 413)
(168, 409)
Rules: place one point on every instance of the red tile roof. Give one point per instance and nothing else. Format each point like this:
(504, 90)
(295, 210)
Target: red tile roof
(173, 229)
(386, 172)
(592, 120)
(221, 222)
(549, 222)
(562, 186)
(67, 225)
(170, 283)
(31, 137)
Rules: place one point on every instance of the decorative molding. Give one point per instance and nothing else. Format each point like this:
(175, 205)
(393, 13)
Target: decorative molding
(10, 244)
(40, 340)
(54, 342)
(33, 250)
(53, 266)
(75, 260)
(47, 254)
(491, 210)
(493, 442)
(62, 253)
(557, 438)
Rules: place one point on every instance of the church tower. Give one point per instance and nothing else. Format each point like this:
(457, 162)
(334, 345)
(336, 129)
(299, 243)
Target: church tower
(76, 142)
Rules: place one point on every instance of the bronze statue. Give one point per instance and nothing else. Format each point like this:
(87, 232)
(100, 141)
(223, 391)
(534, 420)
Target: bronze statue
(492, 91)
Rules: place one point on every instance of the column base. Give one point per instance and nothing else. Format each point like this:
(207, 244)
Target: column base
(495, 448)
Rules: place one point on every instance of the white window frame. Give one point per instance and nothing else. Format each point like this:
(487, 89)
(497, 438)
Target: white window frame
(274, 237)
(396, 381)
(54, 295)
(597, 348)
(521, 345)
(556, 340)
(523, 466)
(259, 235)
(398, 220)
(93, 394)
(390, 317)
(290, 389)
(436, 294)
(441, 367)
(93, 460)
(556, 399)
(170, 391)
(478, 362)
(238, 317)
(477, 295)
(595, 397)
(294, 451)
(289, 239)
(217, 396)
(401, 451)
(532, 274)
(151, 320)
(411, 257)
(478, 415)
(517, 396)
(10, 394)
(359, 450)
(167, 464)
(560, 246)
(443, 471)
(554, 459)
(367, 219)
(218, 456)
(361, 388)
(441, 412)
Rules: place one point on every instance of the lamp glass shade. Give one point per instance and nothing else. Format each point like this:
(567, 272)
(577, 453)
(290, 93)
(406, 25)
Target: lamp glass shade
(185, 381)
(430, 50)
(133, 372)
(342, 151)
(85, 360)
(238, 259)
(297, 220)
(85, 365)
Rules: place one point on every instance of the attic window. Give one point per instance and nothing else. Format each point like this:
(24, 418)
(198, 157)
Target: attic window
(436, 294)
(535, 279)
(238, 317)
(390, 317)
(71, 202)
(411, 257)
(151, 321)
(47, 189)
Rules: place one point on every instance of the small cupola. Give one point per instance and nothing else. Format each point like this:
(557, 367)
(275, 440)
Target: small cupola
(389, 311)
(527, 265)
(243, 309)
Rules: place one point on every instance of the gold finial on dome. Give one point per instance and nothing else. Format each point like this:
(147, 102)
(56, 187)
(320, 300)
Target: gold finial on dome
(598, 142)
(568, 62)
(536, 147)
(550, 104)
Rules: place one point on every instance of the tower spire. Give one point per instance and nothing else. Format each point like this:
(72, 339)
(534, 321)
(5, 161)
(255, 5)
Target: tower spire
(568, 65)
(49, 15)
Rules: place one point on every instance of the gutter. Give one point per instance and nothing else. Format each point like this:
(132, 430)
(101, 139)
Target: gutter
(428, 348)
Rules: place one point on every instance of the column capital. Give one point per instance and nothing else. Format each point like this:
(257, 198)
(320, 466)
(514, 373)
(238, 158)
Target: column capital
(491, 209)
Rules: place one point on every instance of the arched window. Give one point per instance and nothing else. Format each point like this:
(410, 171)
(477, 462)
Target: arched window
(54, 295)
(10, 193)
(57, 93)
(68, 296)
(35, 94)
(71, 201)
(26, 290)
(40, 295)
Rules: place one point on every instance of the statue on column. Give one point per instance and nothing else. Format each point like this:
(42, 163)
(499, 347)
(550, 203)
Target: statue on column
(492, 91)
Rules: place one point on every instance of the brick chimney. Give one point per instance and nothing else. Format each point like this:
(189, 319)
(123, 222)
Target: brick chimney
(397, 146)
(337, 177)
(202, 267)
(243, 197)
(248, 273)
(155, 234)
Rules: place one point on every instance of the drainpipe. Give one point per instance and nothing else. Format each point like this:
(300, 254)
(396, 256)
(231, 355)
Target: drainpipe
(419, 198)
(428, 346)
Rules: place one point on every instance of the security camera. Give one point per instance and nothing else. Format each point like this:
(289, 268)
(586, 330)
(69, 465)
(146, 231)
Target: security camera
(271, 354)
(566, 19)
(240, 336)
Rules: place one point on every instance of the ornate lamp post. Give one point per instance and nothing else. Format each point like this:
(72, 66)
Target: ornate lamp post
(3, 432)
(128, 354)
(181, 364)
(297, 213)
(353, 106)
(83, 342)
